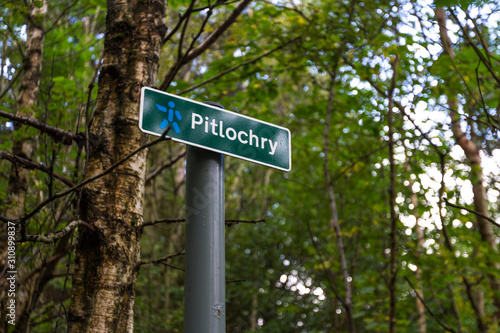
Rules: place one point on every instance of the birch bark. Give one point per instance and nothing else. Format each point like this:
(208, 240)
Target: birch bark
(102, 297)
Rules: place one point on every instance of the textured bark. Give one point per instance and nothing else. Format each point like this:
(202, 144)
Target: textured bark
(102, 297)
(474, 159)
(28, 93)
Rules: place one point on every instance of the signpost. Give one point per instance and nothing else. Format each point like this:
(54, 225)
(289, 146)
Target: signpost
(215, 129)
(210, 132)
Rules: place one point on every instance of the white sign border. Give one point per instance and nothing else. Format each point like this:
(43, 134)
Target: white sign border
(141, 113)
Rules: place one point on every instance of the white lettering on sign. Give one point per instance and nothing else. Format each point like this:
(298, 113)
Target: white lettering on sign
(230, 133)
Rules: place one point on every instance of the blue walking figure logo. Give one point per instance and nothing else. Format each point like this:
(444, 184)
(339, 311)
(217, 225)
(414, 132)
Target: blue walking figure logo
(170, 116)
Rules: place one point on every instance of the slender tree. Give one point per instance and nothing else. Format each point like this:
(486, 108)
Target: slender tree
(472, 153)
(334, 217)
(28, 93)
(393, 269)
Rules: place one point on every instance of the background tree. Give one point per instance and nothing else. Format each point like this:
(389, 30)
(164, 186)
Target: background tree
(376, 164)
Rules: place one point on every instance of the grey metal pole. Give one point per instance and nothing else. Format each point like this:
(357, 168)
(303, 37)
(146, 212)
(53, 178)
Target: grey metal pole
(205, 280)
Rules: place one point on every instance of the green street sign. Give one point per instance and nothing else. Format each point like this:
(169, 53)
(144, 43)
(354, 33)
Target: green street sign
(215, 129)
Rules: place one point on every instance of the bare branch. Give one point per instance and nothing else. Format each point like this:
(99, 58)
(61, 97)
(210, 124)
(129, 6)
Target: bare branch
(74, 188)
(435, 317)
(29, 164)
(218, 32)
(190, 55)
(181, 57)
(476, 49)
(155, 172)
(58, 134)
(166, 221)
(489, 219)
(488, 116)
(63, 14)
(265, 54)
(51, 238)
(26, 277)
(334, 216)
(181, 19)
(293, 8)
(229, 222)
(160, 260)
(16, 40)
(11, 83)
(399, 106)
(324, 268)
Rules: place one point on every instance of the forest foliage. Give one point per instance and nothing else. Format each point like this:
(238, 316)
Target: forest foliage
(378, 226)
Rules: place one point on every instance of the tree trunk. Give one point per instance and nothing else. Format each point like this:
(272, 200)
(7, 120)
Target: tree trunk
(102, 297)
(334, 219)
(422, 321)
(393, 270)
(473, 157)
(28, 93)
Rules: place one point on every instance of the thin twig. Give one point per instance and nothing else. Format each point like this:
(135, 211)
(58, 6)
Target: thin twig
(29, 164)
(11, 83)
(160, 260)
(232, 69)
(26, 277)
(446, 328)
(64, 12)
(74, 188)
(228, 222)
(156, 171)
(218, 31)
(325, 270)
(192, 54)
(488, 117)
(182, 17)
(489, 219)
(478, 52)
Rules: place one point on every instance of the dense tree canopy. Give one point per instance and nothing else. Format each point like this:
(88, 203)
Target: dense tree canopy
(388, 221)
